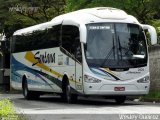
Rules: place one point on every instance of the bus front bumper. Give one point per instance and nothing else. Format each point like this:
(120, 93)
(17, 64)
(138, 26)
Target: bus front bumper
(117, 89)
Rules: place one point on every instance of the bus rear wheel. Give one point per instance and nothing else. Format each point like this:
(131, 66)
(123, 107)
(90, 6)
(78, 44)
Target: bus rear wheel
(29, 94)
(26, 92)
(120, 99)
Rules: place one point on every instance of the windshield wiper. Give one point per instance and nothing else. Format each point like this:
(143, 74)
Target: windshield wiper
(126, 51)
(109, 54)
(120, 47)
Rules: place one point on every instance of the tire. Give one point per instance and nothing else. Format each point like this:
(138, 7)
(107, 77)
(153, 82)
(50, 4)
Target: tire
(68, 96)
(29, 94)
(120, 99)
(26, 92)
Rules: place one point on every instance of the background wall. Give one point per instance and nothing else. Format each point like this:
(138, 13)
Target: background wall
(154, 54)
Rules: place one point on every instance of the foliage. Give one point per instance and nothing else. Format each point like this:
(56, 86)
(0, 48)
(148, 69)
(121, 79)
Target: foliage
(156, 24)
(153, 95)
(7, 111)
(6, 107)
(17, 14)
(144, 10)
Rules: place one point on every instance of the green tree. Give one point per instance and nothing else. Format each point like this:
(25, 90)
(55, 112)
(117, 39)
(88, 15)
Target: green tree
(144, 10)
(17, 14)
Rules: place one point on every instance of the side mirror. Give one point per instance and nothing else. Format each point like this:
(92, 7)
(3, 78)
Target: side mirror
(83, 33)
(152, 33)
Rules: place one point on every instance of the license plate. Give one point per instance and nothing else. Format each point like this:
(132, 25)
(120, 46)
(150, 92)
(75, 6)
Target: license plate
(119, 88)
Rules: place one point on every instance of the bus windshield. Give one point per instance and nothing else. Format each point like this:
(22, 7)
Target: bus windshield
(115, 45)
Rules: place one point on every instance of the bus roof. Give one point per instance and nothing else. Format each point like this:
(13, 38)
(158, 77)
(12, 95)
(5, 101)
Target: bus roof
(84, 16)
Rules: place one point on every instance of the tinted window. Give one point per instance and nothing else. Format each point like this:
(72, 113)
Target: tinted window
(47, 38)
(115, 45)
(71, 41)
(70, 35)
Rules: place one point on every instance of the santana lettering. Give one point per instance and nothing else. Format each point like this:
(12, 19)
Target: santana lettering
(44, 58)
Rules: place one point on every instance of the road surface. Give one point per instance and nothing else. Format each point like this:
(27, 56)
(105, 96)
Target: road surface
(53, 108)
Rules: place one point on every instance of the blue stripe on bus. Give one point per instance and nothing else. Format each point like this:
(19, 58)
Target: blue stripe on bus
(36, 72)
(27, 69)
(98, 73)
(109, 74)
(105, 73)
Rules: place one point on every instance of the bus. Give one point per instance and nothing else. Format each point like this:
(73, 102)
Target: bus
(98, 52)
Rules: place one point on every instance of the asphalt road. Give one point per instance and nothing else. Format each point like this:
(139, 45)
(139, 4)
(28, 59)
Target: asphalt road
(53, 108)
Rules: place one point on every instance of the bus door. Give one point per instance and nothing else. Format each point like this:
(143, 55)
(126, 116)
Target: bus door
(71, 47)
(78, 66)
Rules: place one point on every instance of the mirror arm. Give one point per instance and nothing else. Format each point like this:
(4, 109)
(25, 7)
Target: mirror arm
(152, 32)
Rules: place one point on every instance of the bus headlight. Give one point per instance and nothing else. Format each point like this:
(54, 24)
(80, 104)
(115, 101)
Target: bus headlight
(90, 79)
(143, 80)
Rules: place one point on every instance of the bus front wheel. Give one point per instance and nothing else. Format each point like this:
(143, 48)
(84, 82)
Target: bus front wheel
(68, 96)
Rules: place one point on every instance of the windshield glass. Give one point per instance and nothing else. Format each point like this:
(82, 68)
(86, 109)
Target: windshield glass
(115, 45)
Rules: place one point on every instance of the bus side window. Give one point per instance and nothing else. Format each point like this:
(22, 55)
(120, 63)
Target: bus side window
(18, 43)
(48, 38)
(69, 35)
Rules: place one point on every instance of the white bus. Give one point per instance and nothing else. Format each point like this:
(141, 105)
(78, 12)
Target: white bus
(90, 52)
